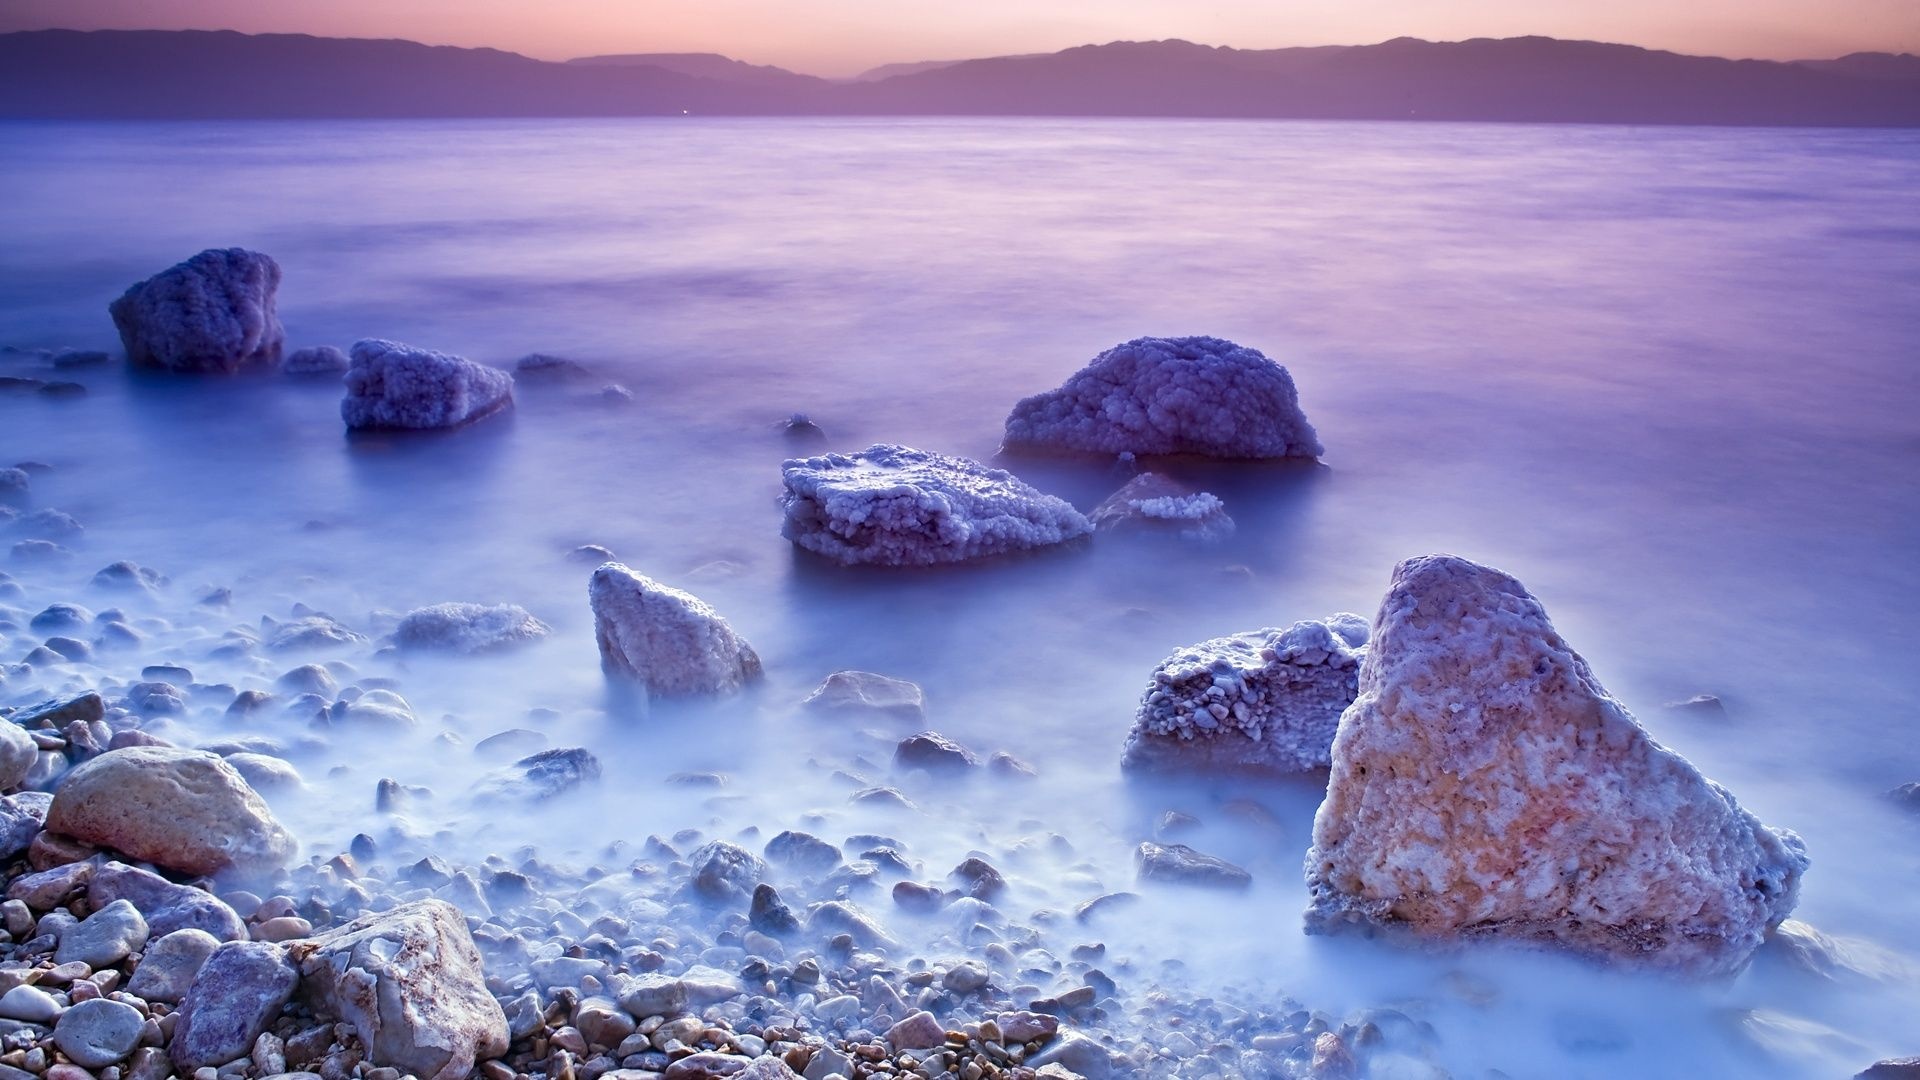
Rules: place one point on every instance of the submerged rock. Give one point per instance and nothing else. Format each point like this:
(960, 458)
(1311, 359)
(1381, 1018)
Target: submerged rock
(1187, 395)
(933, 752)
(311, 632)
(1485, 786)
(544, 366)
(391, 385)
(468, 628)
(182, 809)
(722, 870)
(1153, 504)
(669, 641)
(1266, 699)
(214, 312)
(864, 693)
(545, 775)
(410, 983)
(1182, 865)
(316, 360)
(897, 506)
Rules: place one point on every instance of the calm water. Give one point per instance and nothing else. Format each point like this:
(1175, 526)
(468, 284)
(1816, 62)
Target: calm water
(1666, 377)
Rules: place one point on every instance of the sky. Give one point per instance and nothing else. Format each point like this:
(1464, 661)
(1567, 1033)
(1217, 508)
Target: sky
(844, 37)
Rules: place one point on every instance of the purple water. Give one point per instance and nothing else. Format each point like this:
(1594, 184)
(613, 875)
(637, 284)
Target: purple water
(1667, 377)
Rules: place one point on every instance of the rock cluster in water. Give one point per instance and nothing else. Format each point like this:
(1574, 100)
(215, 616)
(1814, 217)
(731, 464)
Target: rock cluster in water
(1485, 786)
(897, 506)
(214, 312)
(1266, 700)
(667, 640)
(1186, 395)
(390, 385)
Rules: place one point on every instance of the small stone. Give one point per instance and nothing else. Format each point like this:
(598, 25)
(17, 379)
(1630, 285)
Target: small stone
(865, 693)
(933, 752)
(168, 967)
(98, 1033)
(105, 937)
(30, 1004)
(1180, 864)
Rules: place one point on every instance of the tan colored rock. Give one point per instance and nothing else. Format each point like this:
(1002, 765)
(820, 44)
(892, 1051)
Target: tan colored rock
(1485, 786)
(410, 983)
(186, 810)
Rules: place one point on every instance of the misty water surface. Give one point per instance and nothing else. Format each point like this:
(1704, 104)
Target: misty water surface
(1667, 377)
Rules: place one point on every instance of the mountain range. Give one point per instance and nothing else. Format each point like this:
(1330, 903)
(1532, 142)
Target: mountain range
(141, 74)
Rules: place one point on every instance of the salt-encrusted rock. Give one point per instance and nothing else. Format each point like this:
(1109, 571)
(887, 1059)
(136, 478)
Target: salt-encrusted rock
(168, 967)
(317, 360)
(1485, 785)
(1153, 504)
(468, 628)
(182, 809)
(237, 994)
(545, 775)
(865, 693)
(1266, 699)
(167, 907)
(214, 312)
(1181, 865)
(17, 754)
(1187, 395)
(669, 641)
(409, 981)
(897, 506)
(397, 386)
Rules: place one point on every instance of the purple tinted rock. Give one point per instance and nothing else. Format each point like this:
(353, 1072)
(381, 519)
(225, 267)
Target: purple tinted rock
(167, 907)
(214, 312)
(238, 993)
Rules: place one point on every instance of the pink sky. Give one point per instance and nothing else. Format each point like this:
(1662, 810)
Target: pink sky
(842, 37)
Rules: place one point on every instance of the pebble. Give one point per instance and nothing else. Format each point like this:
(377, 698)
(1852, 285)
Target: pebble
(98, 1033)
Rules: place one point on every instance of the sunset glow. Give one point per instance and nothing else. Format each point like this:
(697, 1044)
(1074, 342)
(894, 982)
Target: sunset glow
(844, 37)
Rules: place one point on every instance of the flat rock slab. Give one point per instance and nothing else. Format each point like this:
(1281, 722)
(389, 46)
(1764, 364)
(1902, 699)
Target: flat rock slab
(898, 506)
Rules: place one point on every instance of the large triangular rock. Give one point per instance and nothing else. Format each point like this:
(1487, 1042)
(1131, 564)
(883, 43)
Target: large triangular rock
(667, 640)
(1485, 785)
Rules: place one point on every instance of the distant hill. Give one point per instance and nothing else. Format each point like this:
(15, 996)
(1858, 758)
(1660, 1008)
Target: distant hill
(706, 66)
(888, 71)
(205, 74)
(1871, 65)
(1512, 79)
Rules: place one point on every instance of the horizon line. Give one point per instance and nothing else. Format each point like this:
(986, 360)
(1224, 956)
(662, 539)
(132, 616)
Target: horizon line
(946, 61)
